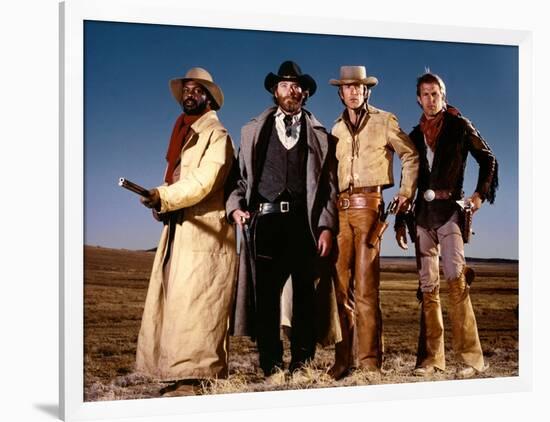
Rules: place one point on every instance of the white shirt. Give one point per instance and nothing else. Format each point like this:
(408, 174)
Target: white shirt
(294, 132)
(429, 154)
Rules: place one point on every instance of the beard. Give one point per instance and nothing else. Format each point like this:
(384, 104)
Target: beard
(194, 107)
(290, 104)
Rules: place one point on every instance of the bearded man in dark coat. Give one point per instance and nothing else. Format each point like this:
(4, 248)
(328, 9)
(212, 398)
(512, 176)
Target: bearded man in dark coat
(285, 200)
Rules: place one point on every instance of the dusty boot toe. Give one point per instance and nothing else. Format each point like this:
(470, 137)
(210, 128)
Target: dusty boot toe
(424, 371)
(337, 372)
(179, 389)
(469, 371)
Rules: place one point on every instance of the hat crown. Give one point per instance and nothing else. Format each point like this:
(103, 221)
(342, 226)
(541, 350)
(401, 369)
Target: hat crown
(352, 73)
(290, 71)
(202, 77)
(198, 73)
(289, 68)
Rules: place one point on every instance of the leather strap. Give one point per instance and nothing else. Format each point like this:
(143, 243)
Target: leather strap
(440, 193)
(363, 189)
(359, 201)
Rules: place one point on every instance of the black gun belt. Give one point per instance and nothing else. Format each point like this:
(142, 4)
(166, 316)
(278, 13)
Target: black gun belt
(282, 207)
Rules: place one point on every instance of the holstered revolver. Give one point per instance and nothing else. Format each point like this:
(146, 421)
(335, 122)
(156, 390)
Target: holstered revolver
(466, 213)
(375, 234)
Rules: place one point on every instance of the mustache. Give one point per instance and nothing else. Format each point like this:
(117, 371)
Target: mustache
(292, 98)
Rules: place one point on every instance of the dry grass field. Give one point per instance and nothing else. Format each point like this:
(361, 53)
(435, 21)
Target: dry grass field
(115, 286)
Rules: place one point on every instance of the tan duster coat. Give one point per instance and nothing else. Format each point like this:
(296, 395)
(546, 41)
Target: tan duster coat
(185, 321)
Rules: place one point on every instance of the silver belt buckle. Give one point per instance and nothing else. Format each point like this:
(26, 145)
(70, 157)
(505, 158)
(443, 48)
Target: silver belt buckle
(285, 206)
(429, 195)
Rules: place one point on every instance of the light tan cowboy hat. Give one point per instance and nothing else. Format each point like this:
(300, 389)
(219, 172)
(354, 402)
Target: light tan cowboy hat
(354, 75)
(202, 77)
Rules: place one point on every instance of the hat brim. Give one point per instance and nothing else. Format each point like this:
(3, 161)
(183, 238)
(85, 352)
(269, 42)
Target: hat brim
(370, 81)
(305, 81)
(176, 86)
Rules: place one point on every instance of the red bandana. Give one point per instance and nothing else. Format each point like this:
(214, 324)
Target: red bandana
(177, 140)
(432, 128)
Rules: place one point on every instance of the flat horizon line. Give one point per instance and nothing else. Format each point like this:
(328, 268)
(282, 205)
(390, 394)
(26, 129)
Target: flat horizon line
(468, 258)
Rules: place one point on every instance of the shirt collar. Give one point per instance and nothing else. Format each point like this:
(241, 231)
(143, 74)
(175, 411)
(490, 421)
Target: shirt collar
(280, 114)
(363, 111)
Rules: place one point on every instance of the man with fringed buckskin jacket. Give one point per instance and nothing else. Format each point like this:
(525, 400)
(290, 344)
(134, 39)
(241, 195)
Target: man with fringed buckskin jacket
(444, 138)
(367, 138)
(286, 195)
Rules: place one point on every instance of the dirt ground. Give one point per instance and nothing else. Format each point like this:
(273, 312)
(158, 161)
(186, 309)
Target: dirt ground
(115, 285)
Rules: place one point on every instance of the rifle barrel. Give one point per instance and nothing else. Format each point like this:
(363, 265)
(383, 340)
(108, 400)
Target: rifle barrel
(133, 187)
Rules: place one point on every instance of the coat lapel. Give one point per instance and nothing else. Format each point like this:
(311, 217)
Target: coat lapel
(208, 119)
(252, 131)
(317, 144)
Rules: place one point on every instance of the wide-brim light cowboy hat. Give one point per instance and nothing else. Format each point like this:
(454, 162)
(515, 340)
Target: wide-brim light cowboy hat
(290, 71)
(202, 77)
(354, 75)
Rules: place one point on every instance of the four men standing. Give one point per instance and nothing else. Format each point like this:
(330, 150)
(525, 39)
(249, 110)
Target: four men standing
(299, 186)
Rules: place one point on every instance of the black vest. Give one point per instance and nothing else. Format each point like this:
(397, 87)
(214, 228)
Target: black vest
(283, 173)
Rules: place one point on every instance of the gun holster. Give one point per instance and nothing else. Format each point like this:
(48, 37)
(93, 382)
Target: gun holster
(465, 223)
(375, 234)
(407, 220)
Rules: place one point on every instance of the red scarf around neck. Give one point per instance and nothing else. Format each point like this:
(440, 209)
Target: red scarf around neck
(431, 128)
(177, 140)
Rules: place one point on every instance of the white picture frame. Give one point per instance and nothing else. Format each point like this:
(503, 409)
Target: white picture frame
(73, 14)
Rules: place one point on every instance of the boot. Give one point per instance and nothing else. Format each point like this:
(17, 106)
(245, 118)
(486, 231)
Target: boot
(431, 348)
(344, 350)
(463, 323)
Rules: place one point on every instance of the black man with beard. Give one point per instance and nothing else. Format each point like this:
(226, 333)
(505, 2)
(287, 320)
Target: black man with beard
(183, 335)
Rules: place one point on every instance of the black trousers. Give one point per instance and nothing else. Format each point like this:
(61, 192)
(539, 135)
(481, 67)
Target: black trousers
(285, 247)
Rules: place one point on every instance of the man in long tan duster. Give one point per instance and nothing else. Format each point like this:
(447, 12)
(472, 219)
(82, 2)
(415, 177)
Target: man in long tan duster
(184, 330)
(367, 139)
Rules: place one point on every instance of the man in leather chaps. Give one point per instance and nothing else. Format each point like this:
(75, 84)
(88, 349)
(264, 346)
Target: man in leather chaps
(443, 139)
(367, 138)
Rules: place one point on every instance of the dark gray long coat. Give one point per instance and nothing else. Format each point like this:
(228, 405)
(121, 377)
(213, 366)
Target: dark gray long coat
(321, 185)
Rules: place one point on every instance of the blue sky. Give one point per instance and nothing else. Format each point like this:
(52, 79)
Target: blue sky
(129, 110)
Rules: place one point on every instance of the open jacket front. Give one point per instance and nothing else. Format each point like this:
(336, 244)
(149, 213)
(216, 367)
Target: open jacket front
(322, 213)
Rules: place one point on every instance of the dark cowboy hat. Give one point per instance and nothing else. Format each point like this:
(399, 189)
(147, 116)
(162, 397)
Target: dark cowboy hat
(203, 78)
(290, 71)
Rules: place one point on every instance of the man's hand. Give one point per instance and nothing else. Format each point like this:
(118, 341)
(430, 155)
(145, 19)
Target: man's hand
(476, 201)
(402, 204)
(240, 217)
(153, 200)
(324, 244)
(401, 237)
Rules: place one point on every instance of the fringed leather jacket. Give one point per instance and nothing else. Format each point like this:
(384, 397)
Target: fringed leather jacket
(457, 138)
